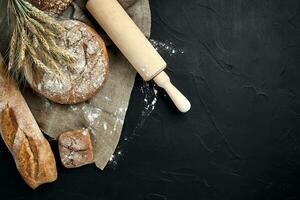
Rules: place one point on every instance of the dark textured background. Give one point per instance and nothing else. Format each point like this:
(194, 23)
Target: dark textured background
(241, 71)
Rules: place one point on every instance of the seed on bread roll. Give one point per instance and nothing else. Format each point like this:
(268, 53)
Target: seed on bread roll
(51, 6)
(31, 151)
(87, 74)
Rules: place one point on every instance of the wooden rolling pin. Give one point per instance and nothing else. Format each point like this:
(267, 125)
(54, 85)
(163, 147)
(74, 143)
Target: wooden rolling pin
(135, 47)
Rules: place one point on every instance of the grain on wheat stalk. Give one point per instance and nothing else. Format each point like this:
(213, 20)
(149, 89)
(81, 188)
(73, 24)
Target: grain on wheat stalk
(33, 27)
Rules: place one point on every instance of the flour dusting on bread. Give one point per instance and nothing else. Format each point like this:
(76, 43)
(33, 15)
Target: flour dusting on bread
(86, 75)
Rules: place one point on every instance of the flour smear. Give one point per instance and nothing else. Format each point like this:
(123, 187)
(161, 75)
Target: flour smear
(148, 92)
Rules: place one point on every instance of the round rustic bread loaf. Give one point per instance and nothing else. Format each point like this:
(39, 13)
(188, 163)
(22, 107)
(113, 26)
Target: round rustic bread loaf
(86, 75)
(52, 6)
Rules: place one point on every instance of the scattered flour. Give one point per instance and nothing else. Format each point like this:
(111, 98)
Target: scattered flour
(91, 114)
(105, 125)
(166, 47)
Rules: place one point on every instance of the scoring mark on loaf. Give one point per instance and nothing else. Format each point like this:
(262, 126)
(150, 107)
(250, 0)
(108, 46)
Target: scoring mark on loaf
(22, 147)
(25, 158)
(9, 127)
(75, 148)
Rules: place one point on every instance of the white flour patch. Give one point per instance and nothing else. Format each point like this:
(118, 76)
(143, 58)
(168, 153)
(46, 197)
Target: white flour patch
(166, 47)
(115, 158)
(107, 98)
(105, 125)
(150, 99)
(46, 103)
(73, 107)
(91, 114)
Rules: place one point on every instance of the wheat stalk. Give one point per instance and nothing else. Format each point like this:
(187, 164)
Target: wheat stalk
(34, 29)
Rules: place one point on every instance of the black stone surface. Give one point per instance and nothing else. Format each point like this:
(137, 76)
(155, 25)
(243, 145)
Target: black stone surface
(241, 70)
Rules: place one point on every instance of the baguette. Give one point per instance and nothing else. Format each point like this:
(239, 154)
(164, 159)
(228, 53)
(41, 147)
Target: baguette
(31, 151)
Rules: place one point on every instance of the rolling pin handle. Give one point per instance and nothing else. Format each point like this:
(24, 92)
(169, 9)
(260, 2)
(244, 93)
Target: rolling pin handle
(181, 102)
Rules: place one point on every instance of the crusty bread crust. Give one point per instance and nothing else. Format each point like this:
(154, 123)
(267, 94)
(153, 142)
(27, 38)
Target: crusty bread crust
(75, 148)
(31, 151)
(52, 6)
(86, 76)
